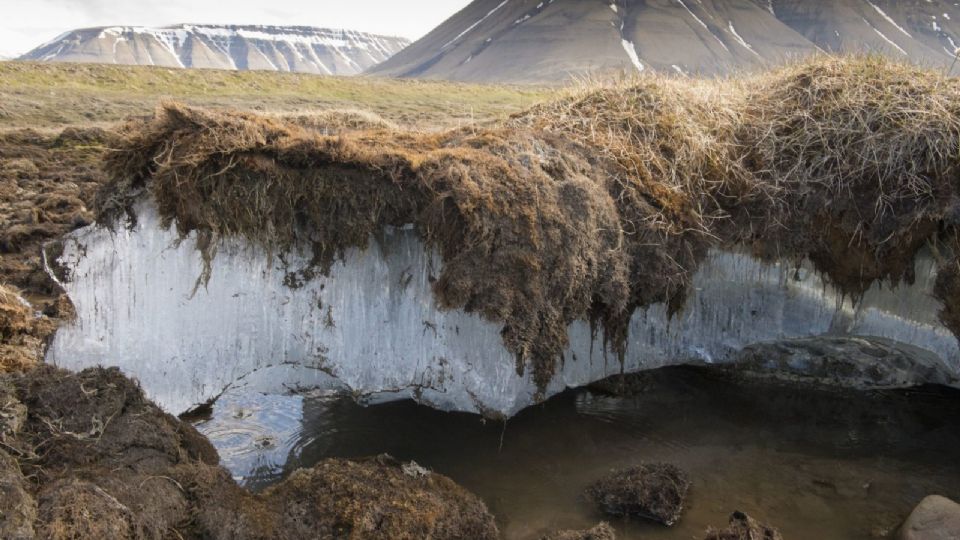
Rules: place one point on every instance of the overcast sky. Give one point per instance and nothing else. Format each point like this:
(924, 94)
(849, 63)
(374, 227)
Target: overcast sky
(25, 24)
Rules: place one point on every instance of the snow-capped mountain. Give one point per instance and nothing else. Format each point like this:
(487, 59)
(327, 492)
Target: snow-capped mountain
(278, 48)
(547, 40)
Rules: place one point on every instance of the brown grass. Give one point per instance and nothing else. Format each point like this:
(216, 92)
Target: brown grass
(22, 333)
(591, 205)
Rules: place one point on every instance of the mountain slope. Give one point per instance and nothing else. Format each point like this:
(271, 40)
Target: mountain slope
(548, 40)
(293, 48)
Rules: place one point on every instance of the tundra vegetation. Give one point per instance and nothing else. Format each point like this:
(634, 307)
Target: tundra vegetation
(590, 204)
(594, 203)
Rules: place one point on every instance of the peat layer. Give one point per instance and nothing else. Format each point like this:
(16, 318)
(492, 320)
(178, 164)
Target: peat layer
(594, 204)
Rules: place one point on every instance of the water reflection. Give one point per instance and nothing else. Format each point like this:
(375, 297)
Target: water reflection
(817, 464)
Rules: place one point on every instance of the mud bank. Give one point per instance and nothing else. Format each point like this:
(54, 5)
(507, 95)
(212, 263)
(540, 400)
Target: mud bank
(87, 456)
(372, 326)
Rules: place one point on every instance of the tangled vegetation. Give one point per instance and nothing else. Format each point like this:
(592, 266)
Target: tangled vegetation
(594, 204)
(86, 455)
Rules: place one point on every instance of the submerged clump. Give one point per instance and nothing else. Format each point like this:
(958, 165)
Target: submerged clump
(655, 491)
(595, 204)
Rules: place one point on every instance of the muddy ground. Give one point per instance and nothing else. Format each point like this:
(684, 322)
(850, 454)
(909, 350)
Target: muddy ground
(86, 455)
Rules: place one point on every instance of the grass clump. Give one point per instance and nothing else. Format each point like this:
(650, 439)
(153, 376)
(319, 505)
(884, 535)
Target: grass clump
(594, 204)
(22, 333)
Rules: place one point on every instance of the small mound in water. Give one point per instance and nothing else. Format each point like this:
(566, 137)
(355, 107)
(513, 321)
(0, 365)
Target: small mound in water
(597, 203)
(104, 462)
(654, 491)
(377, 498)
(744, 527)
(603, 531)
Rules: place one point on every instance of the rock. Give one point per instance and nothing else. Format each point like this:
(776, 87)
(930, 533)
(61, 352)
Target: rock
(654, 491)
(744, 527)
(602, 531)
(856, 362)
(935, 518)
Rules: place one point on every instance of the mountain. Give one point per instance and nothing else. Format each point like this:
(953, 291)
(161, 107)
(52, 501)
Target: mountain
(278, 48)
(549, 40)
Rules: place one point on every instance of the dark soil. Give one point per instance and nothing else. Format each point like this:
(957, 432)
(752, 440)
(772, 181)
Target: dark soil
(87, 456)
(654, 491)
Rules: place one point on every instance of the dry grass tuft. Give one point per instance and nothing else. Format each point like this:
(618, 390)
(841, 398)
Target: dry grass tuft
(594, 204)
(22, 334)
(334, 121)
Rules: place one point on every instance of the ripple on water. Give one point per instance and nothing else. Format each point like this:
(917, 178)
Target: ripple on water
(255, 434)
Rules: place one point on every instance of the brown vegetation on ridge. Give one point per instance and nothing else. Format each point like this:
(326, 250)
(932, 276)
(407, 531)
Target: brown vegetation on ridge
(595, 204)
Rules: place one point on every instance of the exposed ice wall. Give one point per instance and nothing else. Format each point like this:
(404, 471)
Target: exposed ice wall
(372, 326)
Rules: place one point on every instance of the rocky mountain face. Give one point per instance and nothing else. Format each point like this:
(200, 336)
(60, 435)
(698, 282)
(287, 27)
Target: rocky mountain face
(549, 40)
(288, 48)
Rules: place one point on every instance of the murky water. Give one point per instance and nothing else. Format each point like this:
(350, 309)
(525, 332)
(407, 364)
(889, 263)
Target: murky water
(816, 464)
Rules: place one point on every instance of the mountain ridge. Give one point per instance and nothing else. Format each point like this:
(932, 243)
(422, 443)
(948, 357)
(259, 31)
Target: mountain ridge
(551, 40)
(302, 49)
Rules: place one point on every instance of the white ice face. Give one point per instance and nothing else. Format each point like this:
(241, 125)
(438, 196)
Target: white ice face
(372, 326)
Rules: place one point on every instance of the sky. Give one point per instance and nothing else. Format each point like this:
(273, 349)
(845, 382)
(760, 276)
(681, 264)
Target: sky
(25, 24)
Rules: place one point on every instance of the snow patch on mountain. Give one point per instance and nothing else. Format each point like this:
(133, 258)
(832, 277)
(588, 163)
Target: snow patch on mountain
(279, 48)
(476, 24)
(890, 19)
(632, 53)
(885, 38)
(740, 40)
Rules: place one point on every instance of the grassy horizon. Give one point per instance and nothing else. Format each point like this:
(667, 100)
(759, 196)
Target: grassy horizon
(54, 95)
